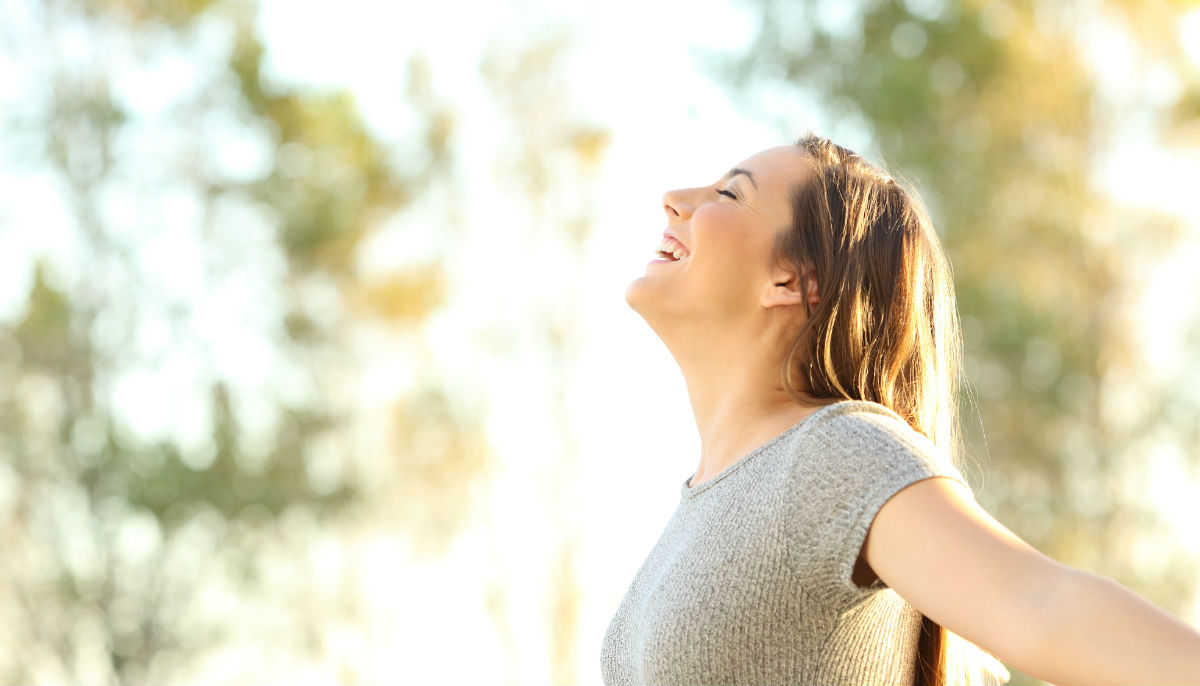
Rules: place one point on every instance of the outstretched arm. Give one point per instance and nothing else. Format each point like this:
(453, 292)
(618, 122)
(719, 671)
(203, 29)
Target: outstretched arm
(936, 547)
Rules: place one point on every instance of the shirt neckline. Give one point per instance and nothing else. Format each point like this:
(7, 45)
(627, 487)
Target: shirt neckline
(687, 491)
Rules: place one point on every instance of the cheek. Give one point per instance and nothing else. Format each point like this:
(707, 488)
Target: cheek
(717, 214)
(718, 229)
(727, 251)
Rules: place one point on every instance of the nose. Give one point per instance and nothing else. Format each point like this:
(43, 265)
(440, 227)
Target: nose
(677, 205)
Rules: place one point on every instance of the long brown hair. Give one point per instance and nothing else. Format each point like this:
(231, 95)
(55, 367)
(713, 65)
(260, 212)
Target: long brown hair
(885, 327)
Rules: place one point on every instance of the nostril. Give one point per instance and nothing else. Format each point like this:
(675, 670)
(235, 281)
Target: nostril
(671, 201)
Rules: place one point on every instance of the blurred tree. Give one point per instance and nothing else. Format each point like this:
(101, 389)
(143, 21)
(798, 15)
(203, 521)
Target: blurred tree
(552, 162)
(175, 396)
(995, 112)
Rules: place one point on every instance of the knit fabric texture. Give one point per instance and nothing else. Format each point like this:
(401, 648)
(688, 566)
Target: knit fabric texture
(749, 583)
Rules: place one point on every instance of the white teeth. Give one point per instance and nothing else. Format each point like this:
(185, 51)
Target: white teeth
(668, 247)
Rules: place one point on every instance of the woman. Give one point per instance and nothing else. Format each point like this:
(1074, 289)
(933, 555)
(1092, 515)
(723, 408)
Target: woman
(826, 537)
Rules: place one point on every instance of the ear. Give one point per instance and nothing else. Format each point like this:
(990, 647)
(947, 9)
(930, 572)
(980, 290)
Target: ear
(789, 286)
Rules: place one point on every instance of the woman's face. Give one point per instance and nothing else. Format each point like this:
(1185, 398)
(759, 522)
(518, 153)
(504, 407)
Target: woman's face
(724, 233)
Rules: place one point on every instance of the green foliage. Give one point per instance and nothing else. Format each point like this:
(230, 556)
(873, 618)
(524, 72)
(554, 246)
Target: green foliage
(107, 577)
(44, 334)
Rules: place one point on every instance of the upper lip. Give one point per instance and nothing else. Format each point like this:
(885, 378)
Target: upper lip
(668, 233)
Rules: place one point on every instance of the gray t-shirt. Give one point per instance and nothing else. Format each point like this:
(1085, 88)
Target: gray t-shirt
(749, 583)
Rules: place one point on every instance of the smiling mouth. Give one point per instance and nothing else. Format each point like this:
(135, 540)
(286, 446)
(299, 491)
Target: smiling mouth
(672, 250)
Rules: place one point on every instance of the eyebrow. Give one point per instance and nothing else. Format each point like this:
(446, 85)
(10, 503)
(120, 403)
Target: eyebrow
(738, 170)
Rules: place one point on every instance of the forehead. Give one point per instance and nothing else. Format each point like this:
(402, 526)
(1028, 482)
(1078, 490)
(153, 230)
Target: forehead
(776, 171)
(781, 166)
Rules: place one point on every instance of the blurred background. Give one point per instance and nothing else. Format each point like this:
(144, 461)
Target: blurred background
(315, 364)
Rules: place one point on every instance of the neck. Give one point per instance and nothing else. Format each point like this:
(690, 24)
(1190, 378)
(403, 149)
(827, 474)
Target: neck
(736, 392)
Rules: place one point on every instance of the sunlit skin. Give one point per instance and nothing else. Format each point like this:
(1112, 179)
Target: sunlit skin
(725, 317)
(728, 319)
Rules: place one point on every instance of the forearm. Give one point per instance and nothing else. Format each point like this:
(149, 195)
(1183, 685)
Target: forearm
(1096, 631)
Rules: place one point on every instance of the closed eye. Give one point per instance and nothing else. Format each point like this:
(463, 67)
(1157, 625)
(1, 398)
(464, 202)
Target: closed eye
(726, 193)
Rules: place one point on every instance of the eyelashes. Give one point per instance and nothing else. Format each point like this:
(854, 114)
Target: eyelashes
(726, 193)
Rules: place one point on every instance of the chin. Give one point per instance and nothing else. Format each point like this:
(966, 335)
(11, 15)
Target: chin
(645, 298)
(634, 293)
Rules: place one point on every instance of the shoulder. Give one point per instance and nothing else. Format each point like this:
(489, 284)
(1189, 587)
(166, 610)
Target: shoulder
(864, 445)
(853, 457)
(857, 425)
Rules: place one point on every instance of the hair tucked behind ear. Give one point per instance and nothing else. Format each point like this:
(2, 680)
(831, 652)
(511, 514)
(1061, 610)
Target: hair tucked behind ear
(885, 328)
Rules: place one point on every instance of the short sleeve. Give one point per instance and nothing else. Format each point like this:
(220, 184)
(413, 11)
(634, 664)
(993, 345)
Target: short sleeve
(854, 461)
